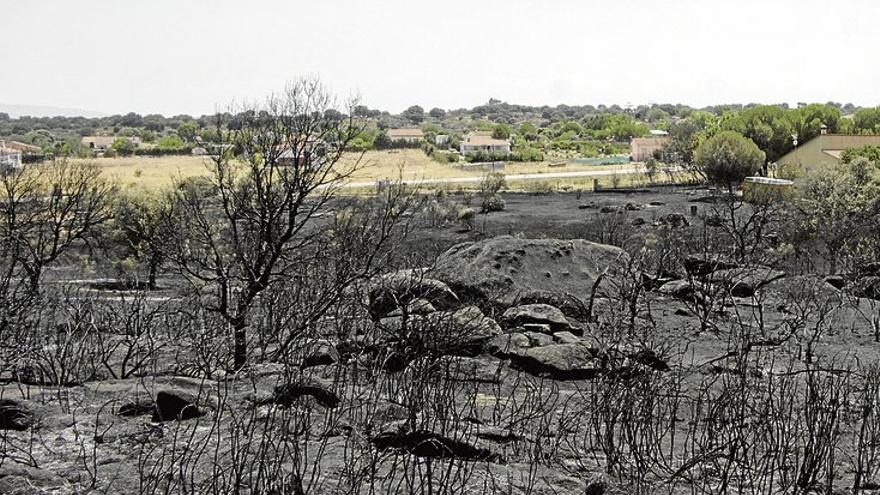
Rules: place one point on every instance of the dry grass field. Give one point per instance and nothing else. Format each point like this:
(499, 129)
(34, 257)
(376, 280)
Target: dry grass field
(153, 172)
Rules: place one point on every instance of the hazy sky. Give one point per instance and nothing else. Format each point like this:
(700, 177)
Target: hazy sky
(170, 57)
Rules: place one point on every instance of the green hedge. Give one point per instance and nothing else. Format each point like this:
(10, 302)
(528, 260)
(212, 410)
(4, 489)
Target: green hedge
(444, 157)
(525, 155)
(186, 150)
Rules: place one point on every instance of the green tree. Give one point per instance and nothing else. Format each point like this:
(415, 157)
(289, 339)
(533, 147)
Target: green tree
(187, 131)
(528, 131)
(414, 114)
(147, 135)
(437, 113)
(656, 115)
(767, 126)
(684, 137)
(382, 141)
(867, 121)
(501, 131)
(41, 137)
(123, 146)
(622, 127)
(807, 121)
(727, 158)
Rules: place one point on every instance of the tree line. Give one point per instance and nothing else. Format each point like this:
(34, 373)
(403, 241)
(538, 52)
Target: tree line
(562, 127)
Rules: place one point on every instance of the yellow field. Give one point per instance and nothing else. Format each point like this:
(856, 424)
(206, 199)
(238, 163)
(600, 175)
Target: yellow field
(414, 164)
(157, 172)
(151, 172)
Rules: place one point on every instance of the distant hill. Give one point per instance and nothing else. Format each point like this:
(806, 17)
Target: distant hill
(16, 111)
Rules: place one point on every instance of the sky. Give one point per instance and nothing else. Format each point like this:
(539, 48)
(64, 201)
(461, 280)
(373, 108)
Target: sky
(198, 56)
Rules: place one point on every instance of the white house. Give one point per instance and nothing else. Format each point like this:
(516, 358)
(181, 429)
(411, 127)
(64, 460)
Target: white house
(475, 143)
(9, 158)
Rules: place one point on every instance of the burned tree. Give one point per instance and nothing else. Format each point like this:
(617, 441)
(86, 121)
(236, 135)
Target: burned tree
(46, 209)
(140, 228)
(275, 171)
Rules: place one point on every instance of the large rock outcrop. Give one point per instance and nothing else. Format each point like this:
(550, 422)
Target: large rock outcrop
(461, 332)
(501, 269)
(536, 313)
(397, 290)
(745, 281)
(560, 361)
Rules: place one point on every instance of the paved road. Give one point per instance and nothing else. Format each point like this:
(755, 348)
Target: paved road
(549, 175)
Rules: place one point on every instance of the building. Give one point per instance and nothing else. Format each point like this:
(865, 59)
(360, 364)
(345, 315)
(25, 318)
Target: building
(10, 159)
(408, 135)
(303, 151)
(475, 143)
(642, 149)
(103, 143)
(24, 148)
(824, 150)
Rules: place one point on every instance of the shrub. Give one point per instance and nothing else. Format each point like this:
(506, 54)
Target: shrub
(359, 144)
(172, 142)
(492, 183)
(539, 188)
(872, 153)
(445, 157)
(184, 150)
(490, 186)
(493, 203)
(466, 217)
(486, 156)
(789, 171)
(651, 169)
(527, 155)
(615, 180)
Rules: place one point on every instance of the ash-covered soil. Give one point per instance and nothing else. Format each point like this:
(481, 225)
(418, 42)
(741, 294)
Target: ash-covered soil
(534, 351)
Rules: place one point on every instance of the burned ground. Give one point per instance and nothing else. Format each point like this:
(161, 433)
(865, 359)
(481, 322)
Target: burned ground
(656, 364)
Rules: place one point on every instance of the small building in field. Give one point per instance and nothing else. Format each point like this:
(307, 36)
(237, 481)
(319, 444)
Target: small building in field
(100, 144)
(641, 149)
(824, 150)
(24, 148)
(15, 154)
(10, 159)
(476, 143)
(409, 135)
(303, 151)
